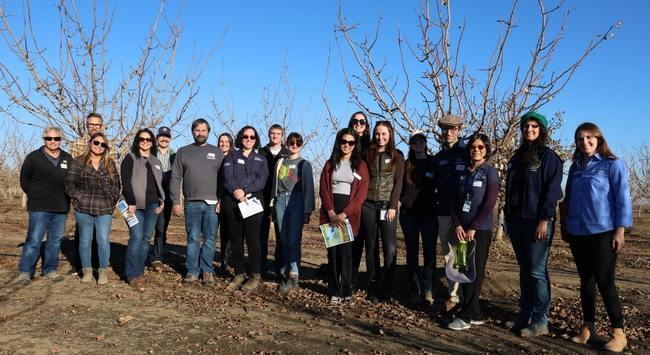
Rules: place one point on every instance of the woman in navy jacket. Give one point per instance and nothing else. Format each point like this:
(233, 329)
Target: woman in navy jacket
(533, 187)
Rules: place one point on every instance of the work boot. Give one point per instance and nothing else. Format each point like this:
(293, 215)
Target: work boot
(252, 283)
(87, 275)
(618, 342)
(103, 276)
(23, 279)
(208, 279)
(290, 283)
(237, 281)
(587, 333)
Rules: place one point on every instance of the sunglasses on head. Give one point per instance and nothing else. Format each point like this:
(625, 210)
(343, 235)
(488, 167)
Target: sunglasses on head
(360, 122)
(144, 139)
(344, 142)
(56, 139)
(102, 144)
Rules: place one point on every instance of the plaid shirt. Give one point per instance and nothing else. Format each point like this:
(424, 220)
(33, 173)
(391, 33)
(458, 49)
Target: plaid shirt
(79, 146)
(90, 190)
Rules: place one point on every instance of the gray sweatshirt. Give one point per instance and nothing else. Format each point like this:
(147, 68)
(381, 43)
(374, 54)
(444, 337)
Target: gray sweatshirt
(197, 167)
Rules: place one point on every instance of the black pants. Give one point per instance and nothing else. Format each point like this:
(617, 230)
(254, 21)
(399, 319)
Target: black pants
(596, 263)
(160, 234)
(340, 259)
(241, 229)
(470, 308)
(374, 228)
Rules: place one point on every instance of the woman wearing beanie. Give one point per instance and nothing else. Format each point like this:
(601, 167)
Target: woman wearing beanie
(599, 209)
(533, 187)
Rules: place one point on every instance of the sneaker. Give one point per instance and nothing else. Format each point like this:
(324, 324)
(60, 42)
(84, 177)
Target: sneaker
(347, 299)
(53, 276)
(534, 330)
(23, 279)
(477, 322)
(158, 266)
(335, 300)
(237, 281)
(289, 284)
(208, 279)
(73, 271)
(138, 281)
(458, 324)
(190, 279)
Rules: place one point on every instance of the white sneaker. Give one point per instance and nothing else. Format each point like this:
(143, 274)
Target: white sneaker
(458, 324)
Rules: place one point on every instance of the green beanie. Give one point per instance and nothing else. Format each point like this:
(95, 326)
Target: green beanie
(535, 115)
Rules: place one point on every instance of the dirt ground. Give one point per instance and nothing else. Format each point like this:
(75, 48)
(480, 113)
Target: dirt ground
(165, 317)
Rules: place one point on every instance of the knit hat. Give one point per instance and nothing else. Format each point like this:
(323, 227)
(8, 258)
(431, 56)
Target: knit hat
(535, 115)
(450, 120)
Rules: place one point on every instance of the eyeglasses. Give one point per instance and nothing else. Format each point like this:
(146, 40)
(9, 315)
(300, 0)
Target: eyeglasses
(296, 143)
(417, 141)
(102, 144)
(355, 121)
(450, 128)
(143, 139)
(349, 143)
(477, 147)
(95, 125)
(49, 139)
(248, 137)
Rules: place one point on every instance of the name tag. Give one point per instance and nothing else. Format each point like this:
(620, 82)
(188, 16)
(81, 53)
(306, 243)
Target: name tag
(478, 183)
(211, 156)
(241, 161)
(460, 167)
(387, 160)
(157, 167)
(429, 175)
(292, 166)
(64, 166)
(356, 176)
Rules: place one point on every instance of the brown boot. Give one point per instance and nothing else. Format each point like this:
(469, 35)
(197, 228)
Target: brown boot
(88, 275)
(587, 333)
(103, 277)
(236, 281)
(252, 283)
(618, 342)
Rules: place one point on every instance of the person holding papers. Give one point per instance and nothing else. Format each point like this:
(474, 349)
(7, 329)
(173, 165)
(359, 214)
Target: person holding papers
(343, 188)
(244, 176)
(292, 201)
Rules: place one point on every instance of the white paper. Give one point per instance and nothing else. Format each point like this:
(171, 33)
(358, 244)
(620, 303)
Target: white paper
(253, 207)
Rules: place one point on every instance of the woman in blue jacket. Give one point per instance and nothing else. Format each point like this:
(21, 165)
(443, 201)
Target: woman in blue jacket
(599, 210)
(533, 187)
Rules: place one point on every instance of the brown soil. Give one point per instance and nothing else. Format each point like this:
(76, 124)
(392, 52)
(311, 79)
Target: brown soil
(165, 317)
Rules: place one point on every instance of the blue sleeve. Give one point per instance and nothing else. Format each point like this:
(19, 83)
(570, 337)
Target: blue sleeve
(259, 177)
(229, 183)
(621, 191)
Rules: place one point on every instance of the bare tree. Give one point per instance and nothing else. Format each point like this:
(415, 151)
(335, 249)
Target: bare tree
(14, 147)
(62, 86)
(638, 165)
(430, 81)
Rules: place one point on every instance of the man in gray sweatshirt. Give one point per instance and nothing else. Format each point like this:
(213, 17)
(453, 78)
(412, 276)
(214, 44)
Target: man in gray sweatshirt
(197, 166)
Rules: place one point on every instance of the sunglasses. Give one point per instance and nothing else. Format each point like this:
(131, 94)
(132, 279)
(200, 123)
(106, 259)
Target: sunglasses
(355, 121)
(296, 143)
(56, 139)
(417, 141)
(344, 142)
(102, 144)
(249, 137)
(477, 147)
(143, 139)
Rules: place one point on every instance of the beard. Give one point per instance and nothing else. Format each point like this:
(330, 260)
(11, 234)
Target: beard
(200, 140)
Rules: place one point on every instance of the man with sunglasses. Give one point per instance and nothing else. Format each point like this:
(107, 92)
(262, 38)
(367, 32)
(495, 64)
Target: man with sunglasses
(166, 156)
(42, 178)
(273, 151)
(197, 166)
(451, 160)
(94, 124)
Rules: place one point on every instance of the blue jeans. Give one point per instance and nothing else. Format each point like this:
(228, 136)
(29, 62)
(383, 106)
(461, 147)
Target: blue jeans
(102, 228)
(289, 218)
(138, 246)
(413, 225)
(200, 218)
(39, 224)
(534, 283)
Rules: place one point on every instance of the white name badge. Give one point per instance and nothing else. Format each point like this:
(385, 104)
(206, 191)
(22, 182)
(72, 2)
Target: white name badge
(478, 183)
(356, 176)
(460, 167)
(292, 166)
(241, 161)
(211, 155)
(157, 167)
(64, 166)
(387, 160)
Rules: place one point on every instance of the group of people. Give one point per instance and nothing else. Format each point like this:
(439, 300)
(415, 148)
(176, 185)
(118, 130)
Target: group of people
(247, 187)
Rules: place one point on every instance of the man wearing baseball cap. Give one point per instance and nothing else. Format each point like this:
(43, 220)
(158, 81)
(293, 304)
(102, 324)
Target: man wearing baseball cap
(166, 156)
(450, 161)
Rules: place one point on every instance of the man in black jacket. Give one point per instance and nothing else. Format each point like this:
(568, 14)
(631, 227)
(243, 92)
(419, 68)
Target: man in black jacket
(42, 178)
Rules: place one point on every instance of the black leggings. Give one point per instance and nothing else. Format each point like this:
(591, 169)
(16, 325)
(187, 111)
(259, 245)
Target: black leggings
(339, 259)
(596, 263)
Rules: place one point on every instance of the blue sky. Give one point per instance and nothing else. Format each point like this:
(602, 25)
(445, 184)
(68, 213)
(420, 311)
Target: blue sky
(610, 88)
